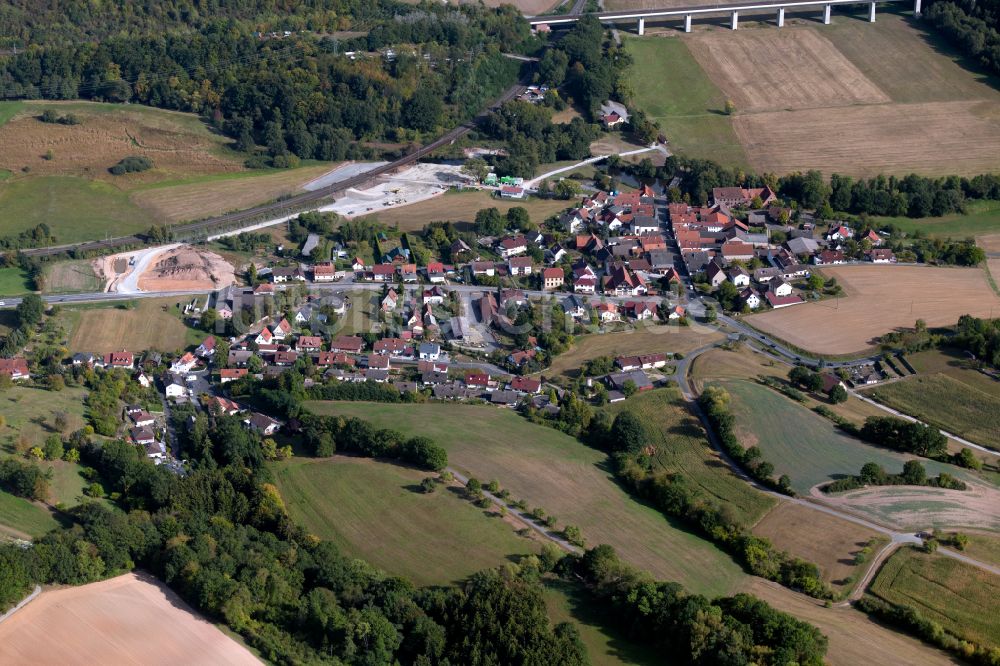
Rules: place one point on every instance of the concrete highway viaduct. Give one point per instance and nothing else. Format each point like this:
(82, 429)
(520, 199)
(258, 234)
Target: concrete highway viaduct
(734, 9)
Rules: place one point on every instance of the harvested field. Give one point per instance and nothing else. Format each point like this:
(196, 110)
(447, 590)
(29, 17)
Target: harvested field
(567, 479)
(187, 268)
(215, 196)
(898, 294)
(854, 637)
(682, 448)
(376, 511)
(829, 542)
(872, 139)
(642, 340)
(960, 597)
(948, 403)
(150, 324)
(131, 619)
(770, 70)
(918, 508)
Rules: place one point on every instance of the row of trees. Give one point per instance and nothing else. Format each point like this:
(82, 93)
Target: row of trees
(970, 26)
(902, 435)
(910, 196)
(913, 474)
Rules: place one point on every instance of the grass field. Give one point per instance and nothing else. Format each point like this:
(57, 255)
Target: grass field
(24, 519)
(376, 511)
(14, 282)
(195, 173)
(946, 402)
(683, 448)
(75, 275)
(150, 324)
(960, 597)
(673, 90)
(829, 542)
(983, 547)
(606, 646)
(983, 218)
(899, 294)
(550, 470)
(462, 207)
(642, 340)
(109, 623)
(30, 413)
(803, 445)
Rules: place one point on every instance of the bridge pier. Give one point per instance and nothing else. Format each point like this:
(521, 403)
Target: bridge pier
(916, 7)
(642, 27)
(781, 17)
(871, 12)
(687, 23)
(826, 15)
(735, 20)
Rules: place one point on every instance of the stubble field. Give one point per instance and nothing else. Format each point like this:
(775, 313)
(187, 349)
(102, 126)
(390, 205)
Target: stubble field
(880, 299)
(131, 619)
(960, 597)
(851, 97)
(146, 326)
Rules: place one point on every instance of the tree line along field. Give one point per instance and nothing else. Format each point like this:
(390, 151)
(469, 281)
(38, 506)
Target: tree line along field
(565, 478)
(852, 97)
(956, 595)
(58, 174)
(683, 448)
(899, 294)
(377, 511)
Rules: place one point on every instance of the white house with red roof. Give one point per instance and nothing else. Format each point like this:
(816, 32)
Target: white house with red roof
(552, 278)
(265, 337)
(206, 348)
(15, 368)
(119, 359)
(512, 246)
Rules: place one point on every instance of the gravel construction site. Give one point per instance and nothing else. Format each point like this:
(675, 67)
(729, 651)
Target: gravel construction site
(167, 268)
(415, 183)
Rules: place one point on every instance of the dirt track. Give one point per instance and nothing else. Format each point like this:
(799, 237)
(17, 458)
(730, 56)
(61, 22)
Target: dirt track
(880, 299)
(131, 619)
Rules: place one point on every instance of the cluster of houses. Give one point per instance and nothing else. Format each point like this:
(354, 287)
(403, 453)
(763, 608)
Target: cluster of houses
(717, 244)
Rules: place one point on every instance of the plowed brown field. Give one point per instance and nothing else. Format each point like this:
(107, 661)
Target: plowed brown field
(132, 619)
(880, 299)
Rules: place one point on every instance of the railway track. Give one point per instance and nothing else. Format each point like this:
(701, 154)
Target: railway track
(297, 203)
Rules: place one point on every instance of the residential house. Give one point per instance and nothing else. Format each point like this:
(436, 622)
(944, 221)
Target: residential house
(264, 289)
(644, 224)
(84, 358)
(429, 351)
(737, 250)
(802, 246)
(676, 312)
(573, 221)
(715, 273)
(607, 312)
(265, 337)
(554, 253)
(436, 272)
(641, 310)
(141, 436)
(505, 398)
(389, 301)
(512, 246)
(282, 274)
(613, 115)
(284, 358)
(780, 288)
(618, 380)
(206, 348)
(829, 257)
(741, 196)
(434, 296)
(574, 306)
(227, 375)
(552, 278)
(525, 385)
(351, 344)
(511, 192)
(487, 268)
(357, 265)
(262, 424)
(378, 362)
(839, 232)
(325, 272)
(408, 273)
(119, 359)
(383, 272)
(183, 364)
(872, 237)
(750, 298)
(624, 282)
(738, 276)
(174, 389)
(393, 347)
(239, 357)
(309, 343)
(14, 368)
(776, 301)
(881, 255)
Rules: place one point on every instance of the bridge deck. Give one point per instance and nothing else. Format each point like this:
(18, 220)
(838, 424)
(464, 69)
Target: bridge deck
(721, 7)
